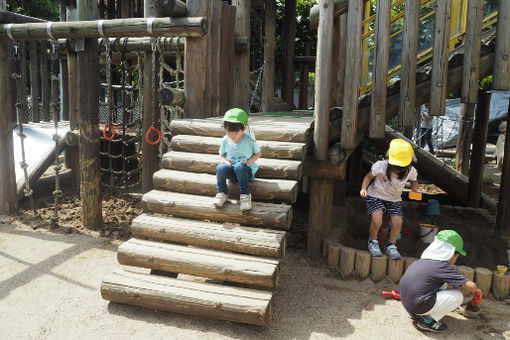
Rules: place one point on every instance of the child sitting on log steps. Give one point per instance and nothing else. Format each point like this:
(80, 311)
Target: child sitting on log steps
(238, 152)
(384, 194)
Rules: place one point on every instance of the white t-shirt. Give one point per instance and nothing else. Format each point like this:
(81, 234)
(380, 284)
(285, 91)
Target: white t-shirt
(387, 190)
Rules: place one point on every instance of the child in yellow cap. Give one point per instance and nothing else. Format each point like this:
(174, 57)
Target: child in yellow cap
(384, 194)
(238, 153)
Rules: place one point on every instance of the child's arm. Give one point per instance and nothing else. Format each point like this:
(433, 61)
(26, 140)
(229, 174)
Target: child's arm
(414, 186)
(472, 288)
(364, 185)
(253, 158)
(224, 160)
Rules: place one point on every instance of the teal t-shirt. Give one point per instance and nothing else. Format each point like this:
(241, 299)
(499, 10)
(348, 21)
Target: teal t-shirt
(241, 151)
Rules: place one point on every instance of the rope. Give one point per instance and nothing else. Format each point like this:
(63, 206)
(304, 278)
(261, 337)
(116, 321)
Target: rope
(55, 79)
(254, 92)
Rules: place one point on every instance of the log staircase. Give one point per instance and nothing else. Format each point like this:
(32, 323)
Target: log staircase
(207, 261)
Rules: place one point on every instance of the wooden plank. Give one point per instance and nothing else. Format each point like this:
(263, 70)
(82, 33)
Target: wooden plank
(23, 82)
(88, 107)
(45, 83)
(323, 169)
(353, 73)
(501, 74)
(240, 239)
(206, 300)
(269, 55)
(8, 195)
(199, 162)
(73, 153)
(380, 69)
(342, 54)
(407, 115)
(319, 224)
(232, 10)
(282, 129)
(503, 215)
(438, 88)
(251, 270)
(463, 151)
(472, 52)
(213, 37)
(224, 74)
(289, 41)
(479, 145)
(282, 150)
(276, 190)
(323, 74)
(265, 215)
(240, 95)
(34, 81)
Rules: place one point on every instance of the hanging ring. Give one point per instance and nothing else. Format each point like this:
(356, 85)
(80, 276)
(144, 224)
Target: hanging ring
(105, 130)
(150, 22)
(147, 136)
(48, 30)
(100, 28)
(9, 31)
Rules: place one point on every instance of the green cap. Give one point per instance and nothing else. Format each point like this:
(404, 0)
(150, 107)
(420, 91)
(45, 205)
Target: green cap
(236, 115)
(453, 238)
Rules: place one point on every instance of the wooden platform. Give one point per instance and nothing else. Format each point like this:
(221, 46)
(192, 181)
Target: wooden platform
(182, 235)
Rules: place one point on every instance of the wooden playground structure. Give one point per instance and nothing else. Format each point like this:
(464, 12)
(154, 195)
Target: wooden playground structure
(191, 62)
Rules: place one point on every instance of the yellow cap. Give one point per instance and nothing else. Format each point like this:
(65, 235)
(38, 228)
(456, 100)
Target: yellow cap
(400, 153)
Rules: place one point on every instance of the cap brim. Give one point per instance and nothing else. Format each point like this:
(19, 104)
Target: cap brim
(463, 253)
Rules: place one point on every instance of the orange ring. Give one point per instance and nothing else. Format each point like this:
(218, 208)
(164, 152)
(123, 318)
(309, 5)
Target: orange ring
(106, 127)
(152, 128)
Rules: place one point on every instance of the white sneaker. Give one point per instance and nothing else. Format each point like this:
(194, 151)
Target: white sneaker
(245, 202)
(220, 199)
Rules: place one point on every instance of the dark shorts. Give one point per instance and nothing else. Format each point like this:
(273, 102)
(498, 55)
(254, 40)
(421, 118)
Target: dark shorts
(390, 208)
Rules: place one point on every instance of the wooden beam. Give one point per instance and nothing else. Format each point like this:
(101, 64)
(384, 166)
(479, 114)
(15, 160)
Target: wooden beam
(503, 216)
(463, 150)
(34, 81)
(269, 56)
(353, 73)
(288, 40)
(439, 78)
(241, 88)
(501, 74)
(320, 213)
(341, 7)
(472, 51)
(324, 169)
(134, 27)
(380, 69)
(479, 145)
(406, 114)
(88, 107)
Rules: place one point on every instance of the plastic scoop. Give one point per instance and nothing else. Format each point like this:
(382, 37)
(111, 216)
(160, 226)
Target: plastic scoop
(394, 293)
(501, 269)
(476, 300)
(414, 195)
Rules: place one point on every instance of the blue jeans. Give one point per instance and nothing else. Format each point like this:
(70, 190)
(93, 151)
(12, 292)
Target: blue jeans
(239, 172)
(426, 138)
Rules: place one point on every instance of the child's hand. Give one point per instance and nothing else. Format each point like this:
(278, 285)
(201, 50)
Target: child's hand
(227, 162)
(247, 162)
(363, 193)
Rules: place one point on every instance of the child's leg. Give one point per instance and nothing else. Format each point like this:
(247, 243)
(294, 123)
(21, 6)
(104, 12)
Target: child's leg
(396, 227)
(243, 174)
(223, 172)
(375, 223)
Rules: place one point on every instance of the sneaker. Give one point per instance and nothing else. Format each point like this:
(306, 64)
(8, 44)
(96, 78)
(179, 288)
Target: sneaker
(432, 326)
(220, 199)
(413, 316)
(373, 248)
(392, 252)
(245, 202)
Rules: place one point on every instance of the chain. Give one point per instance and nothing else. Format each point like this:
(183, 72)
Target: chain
(109, 96)
(19, 104)
(57, 193)
(261, 69)
(153, 83)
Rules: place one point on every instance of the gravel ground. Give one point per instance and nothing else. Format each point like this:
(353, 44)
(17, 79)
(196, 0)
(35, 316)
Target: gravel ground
(49, 289)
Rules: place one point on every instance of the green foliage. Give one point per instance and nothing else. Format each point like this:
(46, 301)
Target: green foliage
(43, 9)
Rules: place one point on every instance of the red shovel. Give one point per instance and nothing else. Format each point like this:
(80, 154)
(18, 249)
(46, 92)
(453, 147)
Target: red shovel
(394, 293)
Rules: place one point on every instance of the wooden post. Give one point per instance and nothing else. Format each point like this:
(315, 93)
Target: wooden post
(406, 113)
(303, 80)
(440, 58)
(471, 68)
(340, 62)
(379, 268)
(224, 58)
(321, 189)
(88, 108)
(409, 261)
(352, 72)
(503, 215)
(483, 279)
(45, 84)
(232, 53)
(463, 152)
(213, 66)
(380, 69)
(395, 270)
(65, 90)
(8, 191)
(500, 285)
(173, 8)
(501, 74)
(24, 107)
(468, 273)
(241, 88)
(195, 66)
(151, 111)
(478, 154)
(125, 8)
(362, 264)
(347, 257)
(269, 55)
(333, 256)
(34, 81)
(288, 40)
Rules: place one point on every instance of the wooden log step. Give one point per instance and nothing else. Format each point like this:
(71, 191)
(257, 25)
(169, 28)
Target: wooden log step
(201, 162)
(282, 129)
(204, 184)
(270, 149)
(241, 239)
(250, 270)
(201, 299)
(265, 215)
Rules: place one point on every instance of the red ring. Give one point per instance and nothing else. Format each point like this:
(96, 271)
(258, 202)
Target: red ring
(152, 128)
(106, 127)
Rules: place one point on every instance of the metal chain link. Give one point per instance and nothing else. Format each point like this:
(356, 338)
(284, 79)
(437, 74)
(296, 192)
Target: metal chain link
(55, 82)
(19, 104)
(153, 82)
(261, 69)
